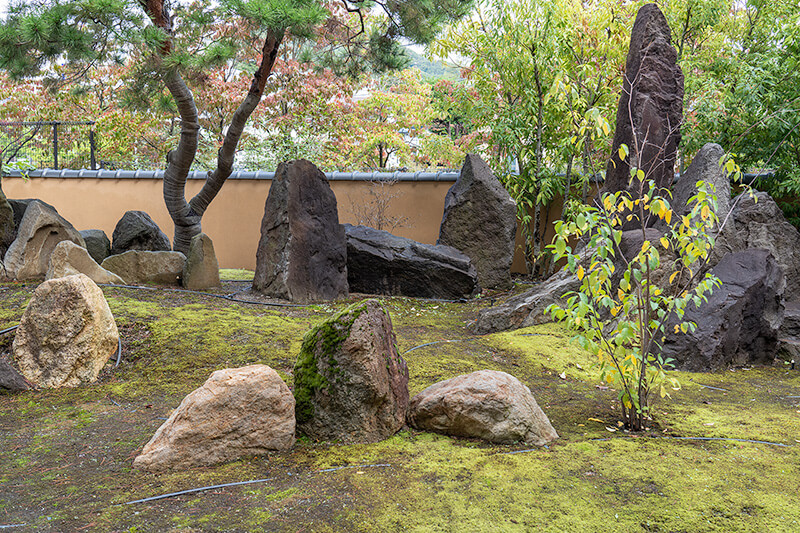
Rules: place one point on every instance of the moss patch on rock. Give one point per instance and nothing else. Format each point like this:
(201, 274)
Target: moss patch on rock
(320, 344)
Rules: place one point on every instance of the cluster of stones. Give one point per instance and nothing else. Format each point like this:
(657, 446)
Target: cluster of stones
(753, 315)
(39, 243)
(305, 255)
(350, 385)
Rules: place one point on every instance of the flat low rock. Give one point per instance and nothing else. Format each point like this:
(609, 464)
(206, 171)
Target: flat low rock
(740, 322)
(201, 270)
(66, 335)
(40, 230)
(487, 404)
(381, 263)
(349, 381)
(137, 266)
(69, 258)
(238, 412)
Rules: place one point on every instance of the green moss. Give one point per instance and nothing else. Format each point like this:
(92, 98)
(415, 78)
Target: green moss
(320, 344)
(235, 274)
(548, 346)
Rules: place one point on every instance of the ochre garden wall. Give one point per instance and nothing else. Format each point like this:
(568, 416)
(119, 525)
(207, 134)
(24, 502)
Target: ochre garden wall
(233, 220)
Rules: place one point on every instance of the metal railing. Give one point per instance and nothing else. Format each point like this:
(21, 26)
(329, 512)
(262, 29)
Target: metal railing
(49, 144)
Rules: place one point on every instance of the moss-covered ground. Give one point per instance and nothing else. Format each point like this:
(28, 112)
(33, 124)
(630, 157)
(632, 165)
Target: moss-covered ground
(66, 455)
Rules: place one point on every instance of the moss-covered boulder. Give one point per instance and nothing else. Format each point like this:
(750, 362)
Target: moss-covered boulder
(350, 383)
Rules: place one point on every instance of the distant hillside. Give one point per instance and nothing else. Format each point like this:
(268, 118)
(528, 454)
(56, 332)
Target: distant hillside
(430, 69)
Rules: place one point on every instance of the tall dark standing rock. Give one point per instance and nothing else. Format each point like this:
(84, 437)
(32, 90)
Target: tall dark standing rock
(650, 107)
(302, 254)
(480, 220)
(7, 231)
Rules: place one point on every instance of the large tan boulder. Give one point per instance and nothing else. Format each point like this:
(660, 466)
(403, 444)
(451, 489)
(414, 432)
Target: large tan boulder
(67, 333)
(40, 230)
(137, 266)
(69, 258)
(202, 268)
(487, 404)
(349, 381)
(237, 412)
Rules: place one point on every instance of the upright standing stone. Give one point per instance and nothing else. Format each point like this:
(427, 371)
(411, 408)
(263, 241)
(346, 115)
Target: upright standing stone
(202, 268)
(40, 230)
(302, 254)
(705, 167)
(7, 229)
(349, 381)
(137, 231)
(480, 220)
(652, 97)
(66, 334)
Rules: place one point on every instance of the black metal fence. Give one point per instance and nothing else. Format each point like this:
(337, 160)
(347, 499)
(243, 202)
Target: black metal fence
(51, 144)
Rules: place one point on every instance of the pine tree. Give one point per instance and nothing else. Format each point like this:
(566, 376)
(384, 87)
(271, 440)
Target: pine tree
(62, 39)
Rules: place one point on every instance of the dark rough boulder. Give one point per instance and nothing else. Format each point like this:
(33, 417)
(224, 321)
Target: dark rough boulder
(302, 254)
(789, 349)
(759, 223)
(528, 308)
(381, 263)
(137, 231)
(480, 220)
(350, 383)
(10, 379)
(7, 227)
(705, 167)
(739, 323)
(97, 244)
(652, 96)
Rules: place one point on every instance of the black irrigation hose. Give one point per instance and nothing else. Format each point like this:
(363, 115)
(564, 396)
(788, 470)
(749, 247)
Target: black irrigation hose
(12, 328)
(237, 483)
(697, 438)
(200, 489)
(119, 351)
(228, 297)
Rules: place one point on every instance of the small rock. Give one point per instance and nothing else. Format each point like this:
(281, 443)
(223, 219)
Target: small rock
(487, 404)
(10, 379)
(68, 258)
(202, 269)
(237, 412)
(66, 334)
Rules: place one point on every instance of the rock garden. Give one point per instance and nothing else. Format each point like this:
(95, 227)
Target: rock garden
(361, 381)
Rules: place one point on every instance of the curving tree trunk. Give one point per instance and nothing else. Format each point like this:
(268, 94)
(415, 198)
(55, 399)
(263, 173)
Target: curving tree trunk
(187, 216)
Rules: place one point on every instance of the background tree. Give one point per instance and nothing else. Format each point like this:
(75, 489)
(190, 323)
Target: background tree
(176, 42)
